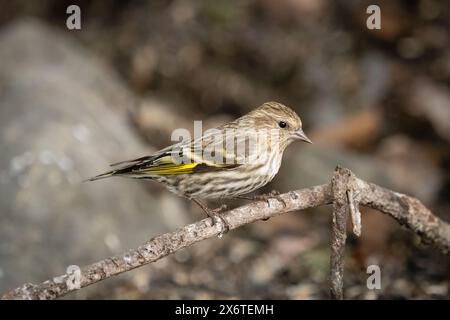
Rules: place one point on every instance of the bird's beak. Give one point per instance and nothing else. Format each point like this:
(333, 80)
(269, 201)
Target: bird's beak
(299, 134)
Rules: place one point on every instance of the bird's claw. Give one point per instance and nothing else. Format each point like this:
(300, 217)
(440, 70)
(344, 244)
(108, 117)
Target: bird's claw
(215, 216)
(224, 225)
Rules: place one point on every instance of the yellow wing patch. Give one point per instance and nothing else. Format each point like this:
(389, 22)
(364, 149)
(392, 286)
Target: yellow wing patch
(166, 166)
(167, 169)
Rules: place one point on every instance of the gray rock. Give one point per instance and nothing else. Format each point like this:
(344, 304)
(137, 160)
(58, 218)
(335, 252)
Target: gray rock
(62, 119)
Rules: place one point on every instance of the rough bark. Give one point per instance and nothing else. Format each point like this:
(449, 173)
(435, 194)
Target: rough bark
(406, 210)
(340, 186)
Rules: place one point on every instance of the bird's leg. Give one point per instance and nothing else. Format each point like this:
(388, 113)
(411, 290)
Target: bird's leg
(214, 214)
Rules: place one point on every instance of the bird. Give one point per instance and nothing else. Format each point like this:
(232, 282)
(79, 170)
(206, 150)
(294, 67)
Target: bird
(229, 161)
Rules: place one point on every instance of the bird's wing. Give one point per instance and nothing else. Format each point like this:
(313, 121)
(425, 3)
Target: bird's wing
(184, 158)
(145, 159)
(180, 158)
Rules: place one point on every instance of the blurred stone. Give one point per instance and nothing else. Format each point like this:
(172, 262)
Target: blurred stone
(281, 251)
(242, 250)
(395, 19)
(294, 11)
(62, 119)
(143, 65)
(355, 131)
(401, 287)
(411, 167)
(157, 119)
(431, 100)
(431, 9)
(353, 292)
(376, 79)
(440, 289)
(302, 291)
(410, 48)
(370, 295)
(372, 246)
(315, 262)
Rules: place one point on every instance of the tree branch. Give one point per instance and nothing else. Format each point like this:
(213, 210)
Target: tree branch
(406, 210)
(339, 187)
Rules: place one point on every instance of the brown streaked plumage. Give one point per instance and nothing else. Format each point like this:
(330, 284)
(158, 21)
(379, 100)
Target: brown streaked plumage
(190, 170)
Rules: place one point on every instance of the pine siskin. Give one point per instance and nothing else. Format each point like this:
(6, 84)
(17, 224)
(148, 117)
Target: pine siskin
(227, 162)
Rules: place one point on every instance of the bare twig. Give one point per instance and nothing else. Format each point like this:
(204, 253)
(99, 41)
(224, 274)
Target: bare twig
(354, 213)
(339, 187)
(406, 210)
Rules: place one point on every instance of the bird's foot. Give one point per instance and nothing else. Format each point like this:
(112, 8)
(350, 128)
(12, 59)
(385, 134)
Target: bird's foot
(215, 215)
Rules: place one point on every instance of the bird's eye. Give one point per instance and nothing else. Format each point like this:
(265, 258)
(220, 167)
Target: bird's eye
(282, 124)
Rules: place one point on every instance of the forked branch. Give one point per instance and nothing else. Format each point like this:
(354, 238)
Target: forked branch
(345, 191)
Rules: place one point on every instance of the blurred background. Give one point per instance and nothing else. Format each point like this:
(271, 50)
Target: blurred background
(73, 101)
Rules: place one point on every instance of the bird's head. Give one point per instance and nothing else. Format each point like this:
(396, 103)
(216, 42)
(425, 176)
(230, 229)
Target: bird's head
(281, 120)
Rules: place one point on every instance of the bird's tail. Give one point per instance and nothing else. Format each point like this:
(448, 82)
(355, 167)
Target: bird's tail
(123, 172)
(130, 169)
(103, 175)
